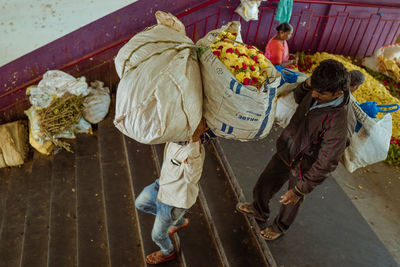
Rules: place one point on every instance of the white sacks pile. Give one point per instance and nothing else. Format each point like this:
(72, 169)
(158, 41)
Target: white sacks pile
(159, 97)
(232, 110)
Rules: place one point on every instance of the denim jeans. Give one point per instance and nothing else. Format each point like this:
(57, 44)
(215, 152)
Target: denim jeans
(166, 216)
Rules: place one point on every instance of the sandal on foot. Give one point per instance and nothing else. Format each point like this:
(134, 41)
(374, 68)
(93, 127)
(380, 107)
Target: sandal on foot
(157, 257)
(248, 209)
(174, 229)
(269, 234)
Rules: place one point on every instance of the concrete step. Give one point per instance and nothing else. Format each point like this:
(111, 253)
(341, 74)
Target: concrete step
(13, 220)
(37, 223)
(124, 236)
(91, 214)
(78, 209)
(62, 250)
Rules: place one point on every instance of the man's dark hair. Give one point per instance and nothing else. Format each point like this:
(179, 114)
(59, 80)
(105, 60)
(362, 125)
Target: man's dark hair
(285, 27)
(330, 76)
(356, 78)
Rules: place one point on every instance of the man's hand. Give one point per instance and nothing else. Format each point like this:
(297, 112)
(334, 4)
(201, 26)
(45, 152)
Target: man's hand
(308, 82)
(289, 198)
(201, 128)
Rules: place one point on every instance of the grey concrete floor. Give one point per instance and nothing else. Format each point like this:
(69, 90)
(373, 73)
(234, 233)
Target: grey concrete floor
(340, 223)
(375, 192)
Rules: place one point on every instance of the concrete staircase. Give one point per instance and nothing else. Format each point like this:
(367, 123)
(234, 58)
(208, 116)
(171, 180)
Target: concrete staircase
(77, 209)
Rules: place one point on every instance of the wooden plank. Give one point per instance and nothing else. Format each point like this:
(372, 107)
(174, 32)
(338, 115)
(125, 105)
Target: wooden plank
(123, 233)
(12, 225)
(232, 228)
(4, 181)
(63, 230)
(143, 172)
(38, 213)
(92, 235)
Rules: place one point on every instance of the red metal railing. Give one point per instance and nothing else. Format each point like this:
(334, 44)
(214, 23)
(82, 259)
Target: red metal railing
(353, 29)
(345, 28)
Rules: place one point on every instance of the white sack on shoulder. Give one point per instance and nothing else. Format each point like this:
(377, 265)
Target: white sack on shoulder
(369, 145)
(232, 110)
(286, 105)
(159, 97)
(285, 108)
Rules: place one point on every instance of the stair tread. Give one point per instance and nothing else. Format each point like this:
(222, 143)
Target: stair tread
(38, 212)
(92, 235)
(63, 230)
(143, 173)
(13, 223)
(4, 181)
(233, 230)
(124, 239)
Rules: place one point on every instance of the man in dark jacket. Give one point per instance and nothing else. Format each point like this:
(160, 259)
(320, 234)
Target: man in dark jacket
(308, 149)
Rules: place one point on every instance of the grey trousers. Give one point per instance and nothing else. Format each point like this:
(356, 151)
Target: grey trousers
(269, 183)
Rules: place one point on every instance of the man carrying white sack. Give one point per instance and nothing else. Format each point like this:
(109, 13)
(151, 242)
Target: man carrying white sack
(170, 196)
(308, 149)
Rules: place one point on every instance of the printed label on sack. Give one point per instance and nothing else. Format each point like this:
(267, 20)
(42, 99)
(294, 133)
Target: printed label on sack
(246, 117)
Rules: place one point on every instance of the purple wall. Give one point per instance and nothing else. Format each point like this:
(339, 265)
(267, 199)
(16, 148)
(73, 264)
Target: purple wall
(344, 29)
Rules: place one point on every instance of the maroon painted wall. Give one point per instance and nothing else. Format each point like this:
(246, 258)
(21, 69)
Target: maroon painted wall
(319, 26)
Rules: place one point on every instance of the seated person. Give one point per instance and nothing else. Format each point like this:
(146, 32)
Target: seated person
(277, 50)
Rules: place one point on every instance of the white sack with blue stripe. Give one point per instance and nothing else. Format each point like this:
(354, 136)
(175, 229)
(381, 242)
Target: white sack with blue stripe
(233, 110)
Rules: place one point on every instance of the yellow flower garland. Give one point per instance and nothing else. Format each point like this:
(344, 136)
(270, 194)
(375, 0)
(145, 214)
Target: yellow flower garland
(247, 63)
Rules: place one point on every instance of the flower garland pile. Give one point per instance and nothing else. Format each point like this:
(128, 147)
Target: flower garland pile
(370, 90)
(393, 157)
(376, 87)
(246, 62)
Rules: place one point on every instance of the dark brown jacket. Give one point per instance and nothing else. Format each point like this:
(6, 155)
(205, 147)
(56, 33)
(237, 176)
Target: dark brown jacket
(314, 140)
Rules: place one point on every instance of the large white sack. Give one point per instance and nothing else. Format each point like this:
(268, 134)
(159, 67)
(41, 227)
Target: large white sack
(285, 108)
(286, 105)
(232, 110)
(159, 97)
(373, 62)
(369, 145)
(248, 9)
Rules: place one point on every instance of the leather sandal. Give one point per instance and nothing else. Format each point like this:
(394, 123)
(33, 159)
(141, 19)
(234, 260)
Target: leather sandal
(157, 257)
(174, 229)
(269, 234)
(248, 209)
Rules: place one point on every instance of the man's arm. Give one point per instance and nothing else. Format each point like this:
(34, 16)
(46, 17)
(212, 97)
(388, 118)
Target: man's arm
(302, 90)
(332, 148)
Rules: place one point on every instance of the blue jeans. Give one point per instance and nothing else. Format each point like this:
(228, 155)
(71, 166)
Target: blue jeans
(166, 216)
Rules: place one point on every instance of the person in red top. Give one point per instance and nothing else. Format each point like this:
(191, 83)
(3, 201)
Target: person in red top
(277, 50)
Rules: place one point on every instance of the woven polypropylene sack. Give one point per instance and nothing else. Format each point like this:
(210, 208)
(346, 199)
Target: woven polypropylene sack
(159, 97)
(286, 105)
(233, 110)
(369, 145)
